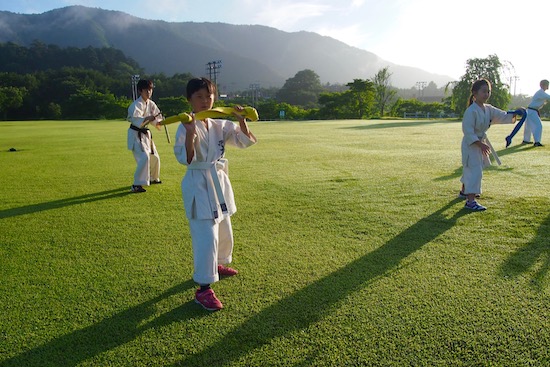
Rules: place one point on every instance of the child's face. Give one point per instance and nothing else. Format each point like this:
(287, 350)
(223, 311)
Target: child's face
(201, 100)
(483, 94)
(146, 93)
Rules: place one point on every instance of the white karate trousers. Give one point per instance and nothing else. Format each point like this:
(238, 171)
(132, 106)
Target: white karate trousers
(471, 178)
(212, 245)
(148, 165)
(533, 124)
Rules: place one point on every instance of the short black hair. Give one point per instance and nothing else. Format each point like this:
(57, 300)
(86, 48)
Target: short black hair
(197, 84)
(144, 84)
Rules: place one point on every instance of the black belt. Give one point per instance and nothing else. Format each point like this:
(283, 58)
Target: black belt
(534, 109)
(143, 131)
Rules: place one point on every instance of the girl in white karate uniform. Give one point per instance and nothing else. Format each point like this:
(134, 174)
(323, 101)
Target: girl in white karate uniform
(475, 146)
(206, 189)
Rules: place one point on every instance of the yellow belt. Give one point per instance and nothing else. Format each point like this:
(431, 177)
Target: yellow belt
(219, 112)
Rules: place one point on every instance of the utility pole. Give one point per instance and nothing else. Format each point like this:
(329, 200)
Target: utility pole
(213, 69)
(516, 78)
(420, 86)
(254, 92)
(135, 80)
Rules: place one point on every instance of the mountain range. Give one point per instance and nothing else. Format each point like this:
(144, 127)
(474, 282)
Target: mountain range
(249, 54)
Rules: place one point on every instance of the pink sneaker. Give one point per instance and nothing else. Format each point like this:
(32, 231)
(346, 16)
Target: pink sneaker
(208, 300)
(227, 271)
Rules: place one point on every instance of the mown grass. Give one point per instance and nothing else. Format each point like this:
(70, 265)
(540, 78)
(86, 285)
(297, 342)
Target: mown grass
(351, 245)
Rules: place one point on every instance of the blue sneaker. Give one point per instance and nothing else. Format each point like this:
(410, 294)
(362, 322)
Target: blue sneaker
(138, 188)
(475, 206)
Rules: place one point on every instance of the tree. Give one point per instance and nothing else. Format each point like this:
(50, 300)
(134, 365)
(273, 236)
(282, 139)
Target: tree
(270, 110)
(363, 92)
(173, 86)
(301, 90)
(489, 68)
(337, 105)
(11, 98)
(173, 105)
(357, 102)
(90, 104)
(384, 92)
(413, 105)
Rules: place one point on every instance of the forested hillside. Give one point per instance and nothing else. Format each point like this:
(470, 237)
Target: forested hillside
(40, 57)
(50, 82)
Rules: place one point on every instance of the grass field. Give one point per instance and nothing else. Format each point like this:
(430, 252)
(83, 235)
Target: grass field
(352, 247)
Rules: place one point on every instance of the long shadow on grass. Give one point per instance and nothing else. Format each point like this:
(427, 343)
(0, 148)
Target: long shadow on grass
(501, 153)
(310, 304)
(527, 257)
(457, 173)
(387, 125)
(513, 149)
(80, 345)
(96, 196)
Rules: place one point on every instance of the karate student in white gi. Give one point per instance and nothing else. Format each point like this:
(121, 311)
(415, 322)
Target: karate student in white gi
(142, 112)
(206, 189)
(475, 146)
(533, 124)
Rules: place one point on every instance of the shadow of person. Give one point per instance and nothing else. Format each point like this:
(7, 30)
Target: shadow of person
(457, 173)
(310, 304)
(536, 253)
(514, 149)
(393, 124)
(73, 348)
(34, 208)
(503, 152)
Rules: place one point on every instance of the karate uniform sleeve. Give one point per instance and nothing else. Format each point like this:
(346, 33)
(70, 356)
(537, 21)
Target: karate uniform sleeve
(155, 111)
(179, 146)
(499, 116)
(468, 126)
(234, 136)
(135, 114)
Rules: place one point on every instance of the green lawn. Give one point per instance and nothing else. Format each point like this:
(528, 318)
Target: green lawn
(352, 247)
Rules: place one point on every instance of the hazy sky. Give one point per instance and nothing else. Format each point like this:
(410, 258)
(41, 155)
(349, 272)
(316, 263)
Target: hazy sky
(435, 35)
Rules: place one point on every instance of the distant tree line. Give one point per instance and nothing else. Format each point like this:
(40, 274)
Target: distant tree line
(48, 82)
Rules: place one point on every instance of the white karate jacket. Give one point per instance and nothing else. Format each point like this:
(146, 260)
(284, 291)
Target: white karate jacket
(200, 197)
(475, 123)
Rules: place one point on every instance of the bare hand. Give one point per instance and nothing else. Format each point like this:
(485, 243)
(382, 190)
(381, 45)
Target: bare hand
(190, 128)
(238, 113)
(485, 149)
